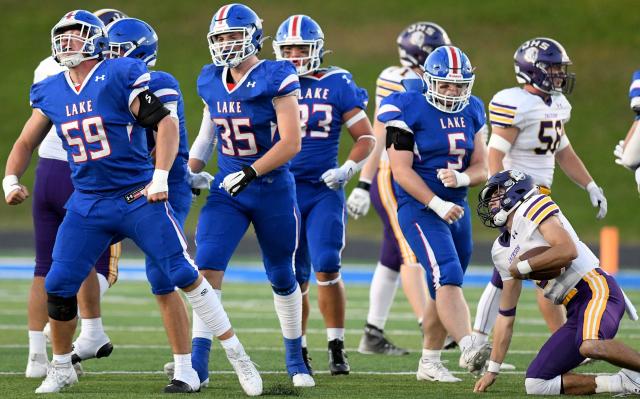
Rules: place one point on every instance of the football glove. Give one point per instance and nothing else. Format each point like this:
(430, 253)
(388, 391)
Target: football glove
(598, 200)
(336, 178)
(200, 180)
(234, 183)
(638, 179)
(359, 201)
(618, 152)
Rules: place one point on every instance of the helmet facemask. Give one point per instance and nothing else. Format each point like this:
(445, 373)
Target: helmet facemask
(124, 49)
(231, 53)
(444, 101)
(63, 38)
(304, 64)
(557, 79)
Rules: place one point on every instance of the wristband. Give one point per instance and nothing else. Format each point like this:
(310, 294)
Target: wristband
(524, 267)
(463, 179)
(494, 367)
(363, 184)
(158, 182)
(9, 184)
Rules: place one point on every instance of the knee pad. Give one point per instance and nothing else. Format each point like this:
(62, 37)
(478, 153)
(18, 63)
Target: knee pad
(184, 274)
(61, 308)
(538, 386)
(282, 279)
(330, 282)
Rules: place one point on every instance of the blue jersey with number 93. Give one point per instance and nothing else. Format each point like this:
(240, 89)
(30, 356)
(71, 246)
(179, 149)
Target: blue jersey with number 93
(442, 140)
(243, 112)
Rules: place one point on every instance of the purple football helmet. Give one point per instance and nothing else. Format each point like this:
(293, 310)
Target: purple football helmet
(504, 193)
(108, 15)
(543, 63)
(418, 40)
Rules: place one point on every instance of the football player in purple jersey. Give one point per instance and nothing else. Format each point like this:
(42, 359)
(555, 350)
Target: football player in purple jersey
(329, 99)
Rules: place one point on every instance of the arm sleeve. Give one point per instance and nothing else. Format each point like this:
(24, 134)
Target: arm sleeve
(205, 142)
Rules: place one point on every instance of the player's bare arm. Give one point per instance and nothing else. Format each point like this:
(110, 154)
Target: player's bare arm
(475, 174)
(33, 132)
(371, 166)
(499, 144)
(502, 333)
(561, 252)
(288, 116)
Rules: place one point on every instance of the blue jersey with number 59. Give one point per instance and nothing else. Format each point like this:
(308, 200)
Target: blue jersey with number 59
(442, 140)
(243, 112)
(106, 147)
(325, 96)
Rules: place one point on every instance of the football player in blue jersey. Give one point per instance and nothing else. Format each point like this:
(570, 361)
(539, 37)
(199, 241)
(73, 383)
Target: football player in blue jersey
(101, 109)
(627, 151)
(329, 99)
(251, 107)
(435, 142)
(51, 190)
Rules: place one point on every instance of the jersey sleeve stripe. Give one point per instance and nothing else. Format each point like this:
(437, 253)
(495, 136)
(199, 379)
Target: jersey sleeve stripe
(546, 213)
(380, 92)
(165, 92)
(542, 205)
(502, 114)
(389, 85)
(502, 110)
(542, 208)
(287, 81)
(503, 105)
(634, 85)
(535, 204)
(388, 108)
(500, 119)
(500, 124)
(143, 79)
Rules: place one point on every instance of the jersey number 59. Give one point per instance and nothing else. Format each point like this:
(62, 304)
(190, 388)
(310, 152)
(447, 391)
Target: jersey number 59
(93, 132)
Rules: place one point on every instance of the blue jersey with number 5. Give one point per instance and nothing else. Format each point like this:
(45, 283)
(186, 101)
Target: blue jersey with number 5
(442, 140)
(243, 112)
(106, 148)
(325, 96)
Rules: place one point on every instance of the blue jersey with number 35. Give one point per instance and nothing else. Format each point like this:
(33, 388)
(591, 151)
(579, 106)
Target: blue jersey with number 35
(442, 140)
(243, 113)
(325, 96)
(106, 148)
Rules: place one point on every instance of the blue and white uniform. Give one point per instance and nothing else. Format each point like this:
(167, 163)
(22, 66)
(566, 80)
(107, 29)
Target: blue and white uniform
(110, 166)
(442, 140)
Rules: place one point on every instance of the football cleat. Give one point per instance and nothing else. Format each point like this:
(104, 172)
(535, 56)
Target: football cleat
(449, 343)
(84, 349)
(246, 371)
(374, 342)
(434, 371)
(302, 380)
(59, 375)
(630, 381)
(338, 363)
(307, 360)
(474, 358)
(177, 386)
(37, 365)
(169, 370)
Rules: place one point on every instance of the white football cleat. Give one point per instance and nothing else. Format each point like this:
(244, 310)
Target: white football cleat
(474, 358)
(630, 381)
(60, 375)
(37, 365)
(170, 368)
(246, 371)
(434, 371)
(303, 381)
(84, 348)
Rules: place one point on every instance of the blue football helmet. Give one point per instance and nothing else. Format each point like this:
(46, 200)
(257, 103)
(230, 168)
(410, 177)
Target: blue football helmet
(108, 15)
(450, 66)
(133, 38)
(91, 33)
(300, 30)
(543, 63)
(233, 18)
(504, 193)
(418, 40)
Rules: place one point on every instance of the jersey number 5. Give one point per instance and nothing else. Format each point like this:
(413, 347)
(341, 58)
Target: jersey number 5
(551, 140)
(93, 130)
(454, 150)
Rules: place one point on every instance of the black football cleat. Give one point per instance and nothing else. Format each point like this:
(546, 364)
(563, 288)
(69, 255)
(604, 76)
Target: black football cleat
(374, 342)
(177, 386)
(338, 364)
(307, 360)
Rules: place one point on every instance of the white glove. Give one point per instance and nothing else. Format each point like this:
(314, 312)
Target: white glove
(596, 195)
(158, 182)
(453, 178)
(442, 208)
(200, 180)
(618, 151)
(10, 184)
(234, 183)
(336, 178)
(638, 178)
(359, 201)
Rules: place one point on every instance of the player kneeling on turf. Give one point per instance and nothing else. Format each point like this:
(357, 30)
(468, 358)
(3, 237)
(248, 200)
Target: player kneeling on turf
(534, 228)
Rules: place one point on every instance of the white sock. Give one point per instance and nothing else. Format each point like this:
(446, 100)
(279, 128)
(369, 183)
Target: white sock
(230, 343)
(37, 342)
(61, 359)
(104, 284)
(480, 338)
(289, 310)
(200, 329)
(431, 355)
(91, 329)
(181, 363)
(335, 333)
(609, 383)
(488, 307)
(206, 304)
(465, 342)
(384, 285)
(304, 340)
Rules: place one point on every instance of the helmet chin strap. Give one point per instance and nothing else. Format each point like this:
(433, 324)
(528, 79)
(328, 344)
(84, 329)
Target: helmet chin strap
(500, 218)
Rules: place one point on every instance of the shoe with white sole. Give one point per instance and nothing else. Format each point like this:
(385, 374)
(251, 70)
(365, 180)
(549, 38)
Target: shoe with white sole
(37, 365)
(169, 370)
(630, 381)
(434, 371)
(246, 371)
(60, 375)
(475, 357)
(303, 381)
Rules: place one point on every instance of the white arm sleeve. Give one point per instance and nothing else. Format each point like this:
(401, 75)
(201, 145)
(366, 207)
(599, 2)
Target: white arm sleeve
(631, 154)
(205, 142)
